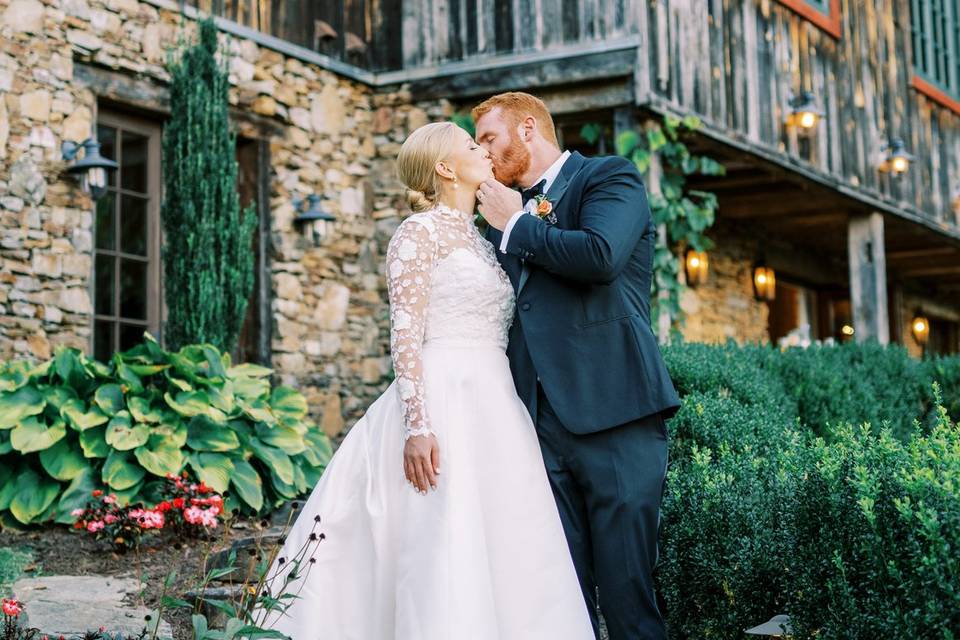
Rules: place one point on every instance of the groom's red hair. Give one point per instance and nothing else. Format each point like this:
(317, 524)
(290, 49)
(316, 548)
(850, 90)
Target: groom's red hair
(515, 106)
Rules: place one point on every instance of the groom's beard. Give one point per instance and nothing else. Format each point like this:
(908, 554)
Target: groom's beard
(513, 163)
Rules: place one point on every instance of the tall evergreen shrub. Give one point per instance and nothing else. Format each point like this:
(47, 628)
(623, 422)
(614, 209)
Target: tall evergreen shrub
(208, 262)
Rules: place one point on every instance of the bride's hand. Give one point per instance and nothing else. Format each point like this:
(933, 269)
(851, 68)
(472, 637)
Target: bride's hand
(421, 461)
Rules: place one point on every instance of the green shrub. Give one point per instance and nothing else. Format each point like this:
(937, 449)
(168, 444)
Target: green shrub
(70, 424)
(12, 563)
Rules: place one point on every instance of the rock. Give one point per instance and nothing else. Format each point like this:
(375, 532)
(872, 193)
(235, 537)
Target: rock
(52, 314)
(42, 137)
(245, 565)
(332, 423)
(264, 105)
(35, 105)
(327, 111)
(372, 370)
(24, 16)
(130, 7)
(75, 300)
(72, 605)
(77, 125)
(382, 120)
(84, 40)
(4, 128)
(351, 201)
(48, 265)
(331, 311)
(105, 21)
(26, 181)
(416, 118)
(152, 42)
(6, 80)
(242, 69)
(300, 117)
(299, 137)
(39, 346)
(77, 8)
(61, 66)
(76, 264)
(288, 286)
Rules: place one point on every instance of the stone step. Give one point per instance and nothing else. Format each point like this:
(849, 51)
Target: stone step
(73, 605)
(245, 564)
(216, 618)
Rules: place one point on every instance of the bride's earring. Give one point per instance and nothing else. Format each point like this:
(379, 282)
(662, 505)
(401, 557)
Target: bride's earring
(456, 185)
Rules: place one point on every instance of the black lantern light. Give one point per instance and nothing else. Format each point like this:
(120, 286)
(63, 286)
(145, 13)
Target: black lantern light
(920, 328)
(314, 215)
(697, 265)
(803, 111)
(896, 159)
(92, 168)
(764, 281)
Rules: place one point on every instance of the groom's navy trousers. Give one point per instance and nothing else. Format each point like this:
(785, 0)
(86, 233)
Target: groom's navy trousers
(608, 487)
(587, 366)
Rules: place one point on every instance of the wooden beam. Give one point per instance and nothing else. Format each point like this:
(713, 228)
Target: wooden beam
(868, 278)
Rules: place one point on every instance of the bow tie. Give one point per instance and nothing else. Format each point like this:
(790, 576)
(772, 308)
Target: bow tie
(532, 192)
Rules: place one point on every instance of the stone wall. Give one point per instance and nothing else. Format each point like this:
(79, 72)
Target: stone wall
(724, 307)
(330, 320)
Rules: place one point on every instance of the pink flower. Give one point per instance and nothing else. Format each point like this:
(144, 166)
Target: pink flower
(110, 499)
(94, 525)
(203, 517)
(76, 513)
(12, 607)
(147, 519)
(109, 518)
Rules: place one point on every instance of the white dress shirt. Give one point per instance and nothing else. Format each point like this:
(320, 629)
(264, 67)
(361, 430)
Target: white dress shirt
(549, 176)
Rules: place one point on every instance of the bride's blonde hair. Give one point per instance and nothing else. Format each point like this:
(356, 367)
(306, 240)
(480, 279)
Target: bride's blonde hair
(418, 156)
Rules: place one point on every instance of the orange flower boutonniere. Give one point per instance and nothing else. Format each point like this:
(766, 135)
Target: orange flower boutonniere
(544, 209)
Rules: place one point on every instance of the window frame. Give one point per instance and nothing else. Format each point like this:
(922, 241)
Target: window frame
(825, 14)
(945, 95)
(152, 130)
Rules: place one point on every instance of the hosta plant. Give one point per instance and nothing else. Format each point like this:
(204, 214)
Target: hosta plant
(71, 425)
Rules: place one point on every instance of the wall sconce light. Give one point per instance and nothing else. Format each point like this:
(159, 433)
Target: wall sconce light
(803, 112)
(92, 168)
(775, 627)
(920, 328)
(697, 265)
(315, 216)
(764, 282)
(847, 330)
(896, 160)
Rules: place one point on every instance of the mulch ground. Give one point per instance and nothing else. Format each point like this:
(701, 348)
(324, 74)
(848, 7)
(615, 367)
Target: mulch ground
(58, 550)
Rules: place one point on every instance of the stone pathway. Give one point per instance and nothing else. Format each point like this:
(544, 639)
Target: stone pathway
(72, 605)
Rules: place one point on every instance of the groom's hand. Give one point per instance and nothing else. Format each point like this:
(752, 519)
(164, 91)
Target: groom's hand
(498, 203)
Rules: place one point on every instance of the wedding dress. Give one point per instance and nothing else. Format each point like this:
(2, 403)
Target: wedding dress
(482, 557)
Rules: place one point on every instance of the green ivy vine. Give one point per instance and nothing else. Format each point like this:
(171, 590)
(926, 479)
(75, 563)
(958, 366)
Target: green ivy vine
(687, 213)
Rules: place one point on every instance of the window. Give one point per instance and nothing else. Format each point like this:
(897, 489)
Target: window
(935, 31)
(126, 279)
(825, 14)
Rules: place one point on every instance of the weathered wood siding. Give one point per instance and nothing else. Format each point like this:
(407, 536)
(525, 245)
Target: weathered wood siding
(737, 62)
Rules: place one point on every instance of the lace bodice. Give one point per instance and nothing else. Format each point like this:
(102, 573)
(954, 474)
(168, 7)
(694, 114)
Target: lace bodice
(445, 286)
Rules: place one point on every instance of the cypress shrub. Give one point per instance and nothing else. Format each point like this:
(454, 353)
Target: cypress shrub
(207, 257)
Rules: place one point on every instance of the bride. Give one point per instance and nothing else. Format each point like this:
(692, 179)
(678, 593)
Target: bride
(437, 516)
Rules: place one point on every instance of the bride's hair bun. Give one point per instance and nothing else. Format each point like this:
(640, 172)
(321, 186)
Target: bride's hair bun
(417, 161)
(418, 201)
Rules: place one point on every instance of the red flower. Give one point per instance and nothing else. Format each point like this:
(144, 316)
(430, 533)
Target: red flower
(97, 493)
(164, 506)
(203, 488)
(178, 503)
(12, 607)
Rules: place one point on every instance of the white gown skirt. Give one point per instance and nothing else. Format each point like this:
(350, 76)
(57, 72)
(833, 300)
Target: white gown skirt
(483, 557)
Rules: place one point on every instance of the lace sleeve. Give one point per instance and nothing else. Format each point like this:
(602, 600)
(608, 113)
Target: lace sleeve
(410, 258)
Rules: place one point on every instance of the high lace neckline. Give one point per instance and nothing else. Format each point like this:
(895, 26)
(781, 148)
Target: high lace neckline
(451, 211)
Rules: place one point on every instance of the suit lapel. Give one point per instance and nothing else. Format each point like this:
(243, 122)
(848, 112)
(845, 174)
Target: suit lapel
(554, 194)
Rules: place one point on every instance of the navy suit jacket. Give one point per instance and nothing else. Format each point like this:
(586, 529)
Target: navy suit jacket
(582, 320)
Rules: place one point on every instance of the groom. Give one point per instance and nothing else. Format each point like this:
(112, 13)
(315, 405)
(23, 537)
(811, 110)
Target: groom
(578, 247)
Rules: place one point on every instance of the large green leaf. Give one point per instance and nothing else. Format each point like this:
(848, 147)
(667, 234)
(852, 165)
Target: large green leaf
(121, 471)
(57, 395)
(319, 449)
(147, 369)
(189, 403)
(142, 410)
(130, 379)
(94, 442)
(122, 434)
(159, 457)
(35, 435)
(19, 404)
(76, 494)
(251, 388)
(70, 368)
(14, 374)
(213, 468)
(248, 370)
(289, 402)
(173, 431)
(223, 397)
(8, 483)
(206, 435)
(80, 417)
(248, 484)
(109, 397)
(275, 459)
(33, 495)
(258, 411)
(282, 437)
(64, 460)
(5, 446)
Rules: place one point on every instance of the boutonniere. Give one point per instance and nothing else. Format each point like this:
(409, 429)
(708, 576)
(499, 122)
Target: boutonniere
(544, 209)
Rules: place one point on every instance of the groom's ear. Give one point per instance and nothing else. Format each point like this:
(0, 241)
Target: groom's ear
(526, 128)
